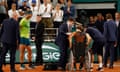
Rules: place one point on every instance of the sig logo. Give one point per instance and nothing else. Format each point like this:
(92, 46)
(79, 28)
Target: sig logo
(49, 53)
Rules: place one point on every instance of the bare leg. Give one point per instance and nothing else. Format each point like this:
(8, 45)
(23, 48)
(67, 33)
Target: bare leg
(29, 53)
(22, 50)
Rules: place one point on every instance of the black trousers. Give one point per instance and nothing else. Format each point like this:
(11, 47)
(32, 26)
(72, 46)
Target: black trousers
(109, 48)
(116, 55)
(39, 57)
(12, 49)
(63, 54)
(57, 24)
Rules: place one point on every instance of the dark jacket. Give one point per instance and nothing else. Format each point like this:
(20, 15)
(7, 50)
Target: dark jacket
(99, 25)
(118, 32)
(10, 31)
(62, 37)
(110, 31)
(95, 34)
(39, 31)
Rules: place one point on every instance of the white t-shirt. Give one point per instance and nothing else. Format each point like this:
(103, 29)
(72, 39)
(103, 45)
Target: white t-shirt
(34, 13)
(117, 23)
(10, 13)
(58, 15)
(46, 14)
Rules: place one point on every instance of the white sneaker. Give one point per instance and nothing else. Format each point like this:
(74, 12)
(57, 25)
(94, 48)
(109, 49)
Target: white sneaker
(91, 69)
(22, 68)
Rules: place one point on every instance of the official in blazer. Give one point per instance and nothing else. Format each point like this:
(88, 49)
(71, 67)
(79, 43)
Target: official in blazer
(10, 38)
(63, 42)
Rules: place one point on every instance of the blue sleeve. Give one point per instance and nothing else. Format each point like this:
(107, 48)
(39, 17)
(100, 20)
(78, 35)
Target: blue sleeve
(72, 12)
(1, 29)
(62, 29)
(105, 30)
(17, 32)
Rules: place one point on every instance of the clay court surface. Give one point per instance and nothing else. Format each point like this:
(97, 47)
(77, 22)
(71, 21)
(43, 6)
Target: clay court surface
(40, 69)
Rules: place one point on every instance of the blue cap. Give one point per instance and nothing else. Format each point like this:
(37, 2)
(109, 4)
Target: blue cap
(24, 0)
(33, 1)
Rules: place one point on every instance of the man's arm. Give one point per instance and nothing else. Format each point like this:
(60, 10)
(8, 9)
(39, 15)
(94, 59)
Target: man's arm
(17, 35)
(89, 39)
(1, 28)
(105, 29)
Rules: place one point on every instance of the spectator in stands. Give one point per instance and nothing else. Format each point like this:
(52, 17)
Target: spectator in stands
(63, 42)
(45, 11)
(24, 6)
(21, 1)
(97, 47)
(95, 17)
(10, 37)
(57, 16)
(9, 2)
(110, 33)
(117, 21)
(82, 17)
(3, 10)
(62, 4)
(12, 10)
(69, 11)
(25, 40)
(34, 9)
(91, 21)
(49, 1)
(39, 31)
(100, 22)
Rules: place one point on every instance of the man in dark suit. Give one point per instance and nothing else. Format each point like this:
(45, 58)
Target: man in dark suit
(63, 42)
(39, 31)
(100, 23)
(69, 11)
(9, 37)
(110, 33)
(97, 47)
(117, 21)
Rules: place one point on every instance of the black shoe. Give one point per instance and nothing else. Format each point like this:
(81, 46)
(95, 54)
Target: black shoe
(38, 64)
(110, 67)
(1, 71)
(100, 69)
(14, 71)
(61, 68)
(81, 66)
(105, 65)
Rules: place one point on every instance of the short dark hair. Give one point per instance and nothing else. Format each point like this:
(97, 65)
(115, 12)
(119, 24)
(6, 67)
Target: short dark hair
(80, 27)
(28, 12)
(108, 16)
(71, 19)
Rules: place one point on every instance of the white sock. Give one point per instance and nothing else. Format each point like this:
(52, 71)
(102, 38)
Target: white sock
(100, 65)
(92, 65)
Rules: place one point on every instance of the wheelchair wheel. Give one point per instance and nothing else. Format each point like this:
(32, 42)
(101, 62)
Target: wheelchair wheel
(87, 61)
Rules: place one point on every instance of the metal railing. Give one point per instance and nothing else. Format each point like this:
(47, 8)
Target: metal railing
(49, 34)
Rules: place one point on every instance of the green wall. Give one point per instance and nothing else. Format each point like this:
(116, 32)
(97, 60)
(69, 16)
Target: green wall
(77, 1)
